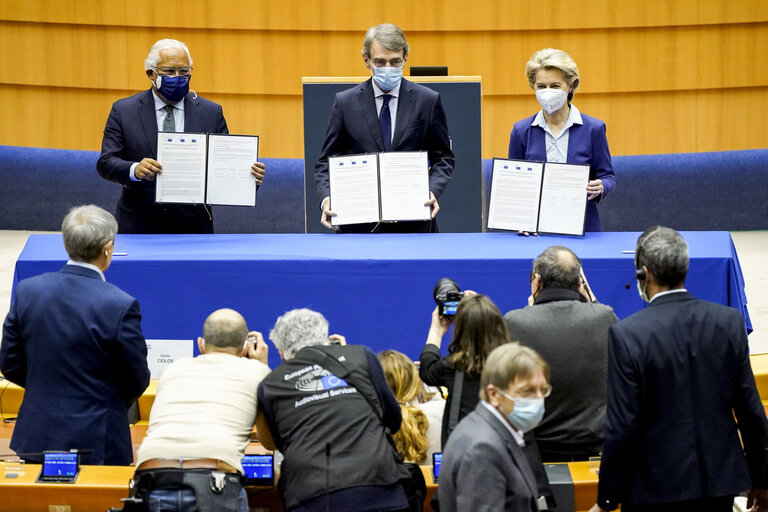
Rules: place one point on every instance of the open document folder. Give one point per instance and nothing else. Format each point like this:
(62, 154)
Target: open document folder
(538, 197)
(376, 187)
(206, 168)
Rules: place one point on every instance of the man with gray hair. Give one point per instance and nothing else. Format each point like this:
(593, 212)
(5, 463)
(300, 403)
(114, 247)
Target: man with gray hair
(685, 428)
(484, 466)
(129, 147)
(74, 342)
(570, 330)
(327, 408)
(387, 113)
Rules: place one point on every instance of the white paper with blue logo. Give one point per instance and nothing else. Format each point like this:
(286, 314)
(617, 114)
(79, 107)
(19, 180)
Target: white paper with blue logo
(230, 181)
(354, 185)
(515, 193)
(182, 156)
(162, 353)
(404, 185)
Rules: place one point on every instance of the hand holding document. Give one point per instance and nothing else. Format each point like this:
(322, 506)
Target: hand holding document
(201, 168)
(538, 197)
(379, 187)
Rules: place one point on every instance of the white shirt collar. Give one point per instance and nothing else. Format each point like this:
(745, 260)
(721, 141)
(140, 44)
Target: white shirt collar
(574, 117)
(667, 292)
(160, 104)
(87, 265)
(516, 434)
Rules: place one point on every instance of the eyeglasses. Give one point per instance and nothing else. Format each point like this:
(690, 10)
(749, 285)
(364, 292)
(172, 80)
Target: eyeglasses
(530, 392)
(183, 71)
(380, 63)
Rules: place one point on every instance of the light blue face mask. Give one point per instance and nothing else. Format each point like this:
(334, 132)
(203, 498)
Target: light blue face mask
(387, 77)
(527, 413)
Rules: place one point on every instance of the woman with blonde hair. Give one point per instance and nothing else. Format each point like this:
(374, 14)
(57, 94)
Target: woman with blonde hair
(419, 434)
(559, 132)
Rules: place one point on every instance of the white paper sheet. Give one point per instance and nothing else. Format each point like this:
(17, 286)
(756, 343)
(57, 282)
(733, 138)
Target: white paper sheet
(230, 181)
(515, 190)
(162, 353)
(354, 188)
(563, 199)
(404, 185)
(182, 179)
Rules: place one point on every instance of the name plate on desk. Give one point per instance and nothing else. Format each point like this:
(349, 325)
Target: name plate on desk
(162, 353)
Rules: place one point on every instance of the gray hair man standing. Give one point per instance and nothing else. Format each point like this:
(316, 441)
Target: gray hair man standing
(129, 147)
(685, 428)
(484, 465)
(326, 408)
(387, 113)
(74, 342)
(570, 331)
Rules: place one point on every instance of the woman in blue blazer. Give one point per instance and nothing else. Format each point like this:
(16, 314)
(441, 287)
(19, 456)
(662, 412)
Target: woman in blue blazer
(559, 132)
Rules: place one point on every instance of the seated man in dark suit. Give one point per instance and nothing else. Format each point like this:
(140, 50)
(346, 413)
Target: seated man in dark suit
(685, 429)
(413, 117)
(570, 330)
(129, 147)
(74, 342)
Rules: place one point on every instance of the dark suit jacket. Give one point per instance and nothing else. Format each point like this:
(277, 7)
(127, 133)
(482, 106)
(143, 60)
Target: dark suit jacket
(75, 344)
(587, 144)
(484, 469)
(353, 128)
(129, 136)
(678, 371)
(572, 337)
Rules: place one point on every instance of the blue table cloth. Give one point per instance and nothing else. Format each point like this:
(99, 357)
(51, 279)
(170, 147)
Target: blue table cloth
(374, 289)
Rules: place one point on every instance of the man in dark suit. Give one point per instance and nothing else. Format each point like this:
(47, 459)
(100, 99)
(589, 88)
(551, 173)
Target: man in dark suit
(129, 147)
(74, 342)
(565, 324)
(680, 392)
(413, 120)
(484, 466)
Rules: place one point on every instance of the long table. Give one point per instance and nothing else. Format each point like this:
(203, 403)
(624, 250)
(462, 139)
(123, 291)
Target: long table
(374, 289)
(101, 487)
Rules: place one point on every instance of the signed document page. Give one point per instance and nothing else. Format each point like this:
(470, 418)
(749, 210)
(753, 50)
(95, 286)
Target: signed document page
(563, 199)
(404, 185)
(230, 181)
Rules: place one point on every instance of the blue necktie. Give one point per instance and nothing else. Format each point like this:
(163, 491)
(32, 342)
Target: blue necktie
(385, 123)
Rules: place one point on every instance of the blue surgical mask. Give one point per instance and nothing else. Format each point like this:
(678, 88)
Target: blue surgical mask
(387, 77)
(527, 413)
(173, 88)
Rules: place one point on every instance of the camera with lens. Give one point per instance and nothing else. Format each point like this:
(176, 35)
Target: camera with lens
(447, 296)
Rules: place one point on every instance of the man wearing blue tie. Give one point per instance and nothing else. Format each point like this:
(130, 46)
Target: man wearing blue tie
(387, 113)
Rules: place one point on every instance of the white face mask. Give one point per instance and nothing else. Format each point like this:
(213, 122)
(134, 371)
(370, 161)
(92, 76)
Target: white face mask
(551, 100)
(642, 293)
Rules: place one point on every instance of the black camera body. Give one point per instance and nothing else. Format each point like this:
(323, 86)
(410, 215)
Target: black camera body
(447, 296)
